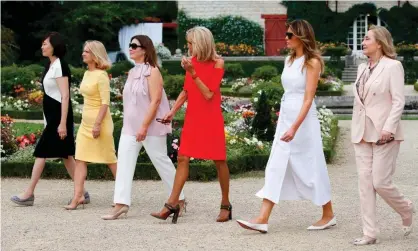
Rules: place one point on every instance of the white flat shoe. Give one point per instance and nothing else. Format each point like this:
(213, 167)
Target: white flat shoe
(262, 228)
(330, 223)
(365, 240)
(407, 230)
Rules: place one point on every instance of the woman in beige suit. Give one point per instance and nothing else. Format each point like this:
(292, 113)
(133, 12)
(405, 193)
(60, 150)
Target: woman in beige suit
(376, 131)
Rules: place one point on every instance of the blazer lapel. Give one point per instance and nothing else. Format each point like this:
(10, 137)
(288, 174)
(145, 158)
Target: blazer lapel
(375, 74)
(356, 96)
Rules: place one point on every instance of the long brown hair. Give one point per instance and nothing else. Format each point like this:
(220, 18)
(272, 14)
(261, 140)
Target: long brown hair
(303, 30)
(148, 46)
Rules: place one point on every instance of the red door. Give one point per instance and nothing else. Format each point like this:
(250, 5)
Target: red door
(274, 33)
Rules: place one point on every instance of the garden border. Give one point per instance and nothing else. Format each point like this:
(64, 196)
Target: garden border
(203, 171)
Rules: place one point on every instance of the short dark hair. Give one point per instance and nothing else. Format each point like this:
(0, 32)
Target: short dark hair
(57, 42)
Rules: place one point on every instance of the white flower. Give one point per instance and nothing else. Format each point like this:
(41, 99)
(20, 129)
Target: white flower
(233, 141)
(255, 99)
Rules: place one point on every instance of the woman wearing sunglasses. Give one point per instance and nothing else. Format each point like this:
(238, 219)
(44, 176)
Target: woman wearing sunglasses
(376, 131)
(296, 168)
(144, 102)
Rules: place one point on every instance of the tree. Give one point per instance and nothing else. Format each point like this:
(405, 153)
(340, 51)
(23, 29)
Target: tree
(8, 46)
(262, 125)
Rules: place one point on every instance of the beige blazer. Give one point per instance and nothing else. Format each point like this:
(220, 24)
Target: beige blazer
(384, 100)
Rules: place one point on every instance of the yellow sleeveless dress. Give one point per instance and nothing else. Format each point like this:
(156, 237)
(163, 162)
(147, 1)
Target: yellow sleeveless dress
(95, 88)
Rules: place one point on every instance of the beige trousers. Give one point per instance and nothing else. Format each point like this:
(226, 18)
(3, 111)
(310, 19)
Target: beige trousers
(376, 165)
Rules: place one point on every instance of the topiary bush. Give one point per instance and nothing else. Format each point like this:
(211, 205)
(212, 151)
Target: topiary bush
(173, 85)
(273, 91)
(233, 71)
(77, 75)
(120, 68)
(416, 86)
(262, 125)
(266, 72)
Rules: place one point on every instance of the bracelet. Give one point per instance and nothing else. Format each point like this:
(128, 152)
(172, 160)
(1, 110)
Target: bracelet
(194, 76)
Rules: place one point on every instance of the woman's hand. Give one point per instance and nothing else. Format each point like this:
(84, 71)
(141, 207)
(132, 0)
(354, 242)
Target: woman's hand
(289, 135)
(385, 135)
(96, 131)
(187, 65)
(62, 131)
(141, 134)
(167, 118)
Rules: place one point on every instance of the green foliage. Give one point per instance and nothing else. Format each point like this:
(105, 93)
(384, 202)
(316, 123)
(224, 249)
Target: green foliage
(13, 75)
(173, 85)
(8, 141)
(9, 47)
(23, 155)
(273, 90)
(117, 130)
(411, 72)
(37, 69)
(262, 125)
(173, 67)
(265, 72)
(120, 68)
(402, 22)
(230, 30)
(416, 86)
(233, 71)
(77, 75)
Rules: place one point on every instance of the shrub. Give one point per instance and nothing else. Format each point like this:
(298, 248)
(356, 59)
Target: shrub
(117, 130)
(8, 143)
(233, 71)
(262, 125)
(23, 155)
(77, 75)
(37, 69)
(230, 30)
(173, 85)
(273, 91)
(120, 68)
(13, 76)
(416, 86)
(266, 72)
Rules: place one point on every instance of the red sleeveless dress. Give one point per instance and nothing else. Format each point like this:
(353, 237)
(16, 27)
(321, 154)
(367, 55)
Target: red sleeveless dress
(203, 135)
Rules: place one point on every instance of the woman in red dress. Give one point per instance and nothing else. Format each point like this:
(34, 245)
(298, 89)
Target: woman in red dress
(203, 135)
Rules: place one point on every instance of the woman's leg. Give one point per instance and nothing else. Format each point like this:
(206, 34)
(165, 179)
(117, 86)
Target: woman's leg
(80, 175)
(182, 173)
(223, 176)
(37, 170)
(127, 156)
(327, 215)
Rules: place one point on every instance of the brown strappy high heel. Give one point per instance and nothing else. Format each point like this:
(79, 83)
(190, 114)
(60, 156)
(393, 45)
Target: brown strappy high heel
(172, 210)
(226, 207)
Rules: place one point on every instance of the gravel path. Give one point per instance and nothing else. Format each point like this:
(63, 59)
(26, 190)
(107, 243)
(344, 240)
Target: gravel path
(47, 226)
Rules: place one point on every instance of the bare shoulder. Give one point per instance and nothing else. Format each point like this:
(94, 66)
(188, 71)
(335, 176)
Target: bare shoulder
(155, 71)
(314, 64)
(219, 63)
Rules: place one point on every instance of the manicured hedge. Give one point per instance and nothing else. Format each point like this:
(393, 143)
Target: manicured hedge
(31, 115)
(173, 67)
(329, 145)
(416, 86)
(143, 171)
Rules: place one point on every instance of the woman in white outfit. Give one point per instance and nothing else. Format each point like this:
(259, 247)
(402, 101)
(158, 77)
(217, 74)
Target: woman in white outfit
(144, 101)
(296, 168)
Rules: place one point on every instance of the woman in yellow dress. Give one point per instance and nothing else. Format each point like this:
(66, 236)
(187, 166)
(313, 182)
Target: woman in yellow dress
(94, 142)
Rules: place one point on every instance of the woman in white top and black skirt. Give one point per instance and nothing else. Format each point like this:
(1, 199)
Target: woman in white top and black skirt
(57, 140)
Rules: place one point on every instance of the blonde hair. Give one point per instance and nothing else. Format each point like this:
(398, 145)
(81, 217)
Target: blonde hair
(303, 30)
(203, 43)
(384, 39)
(99, 53)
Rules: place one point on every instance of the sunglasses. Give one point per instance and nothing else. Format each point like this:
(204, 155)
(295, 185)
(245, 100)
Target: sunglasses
(135, 46)
(289, 35)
